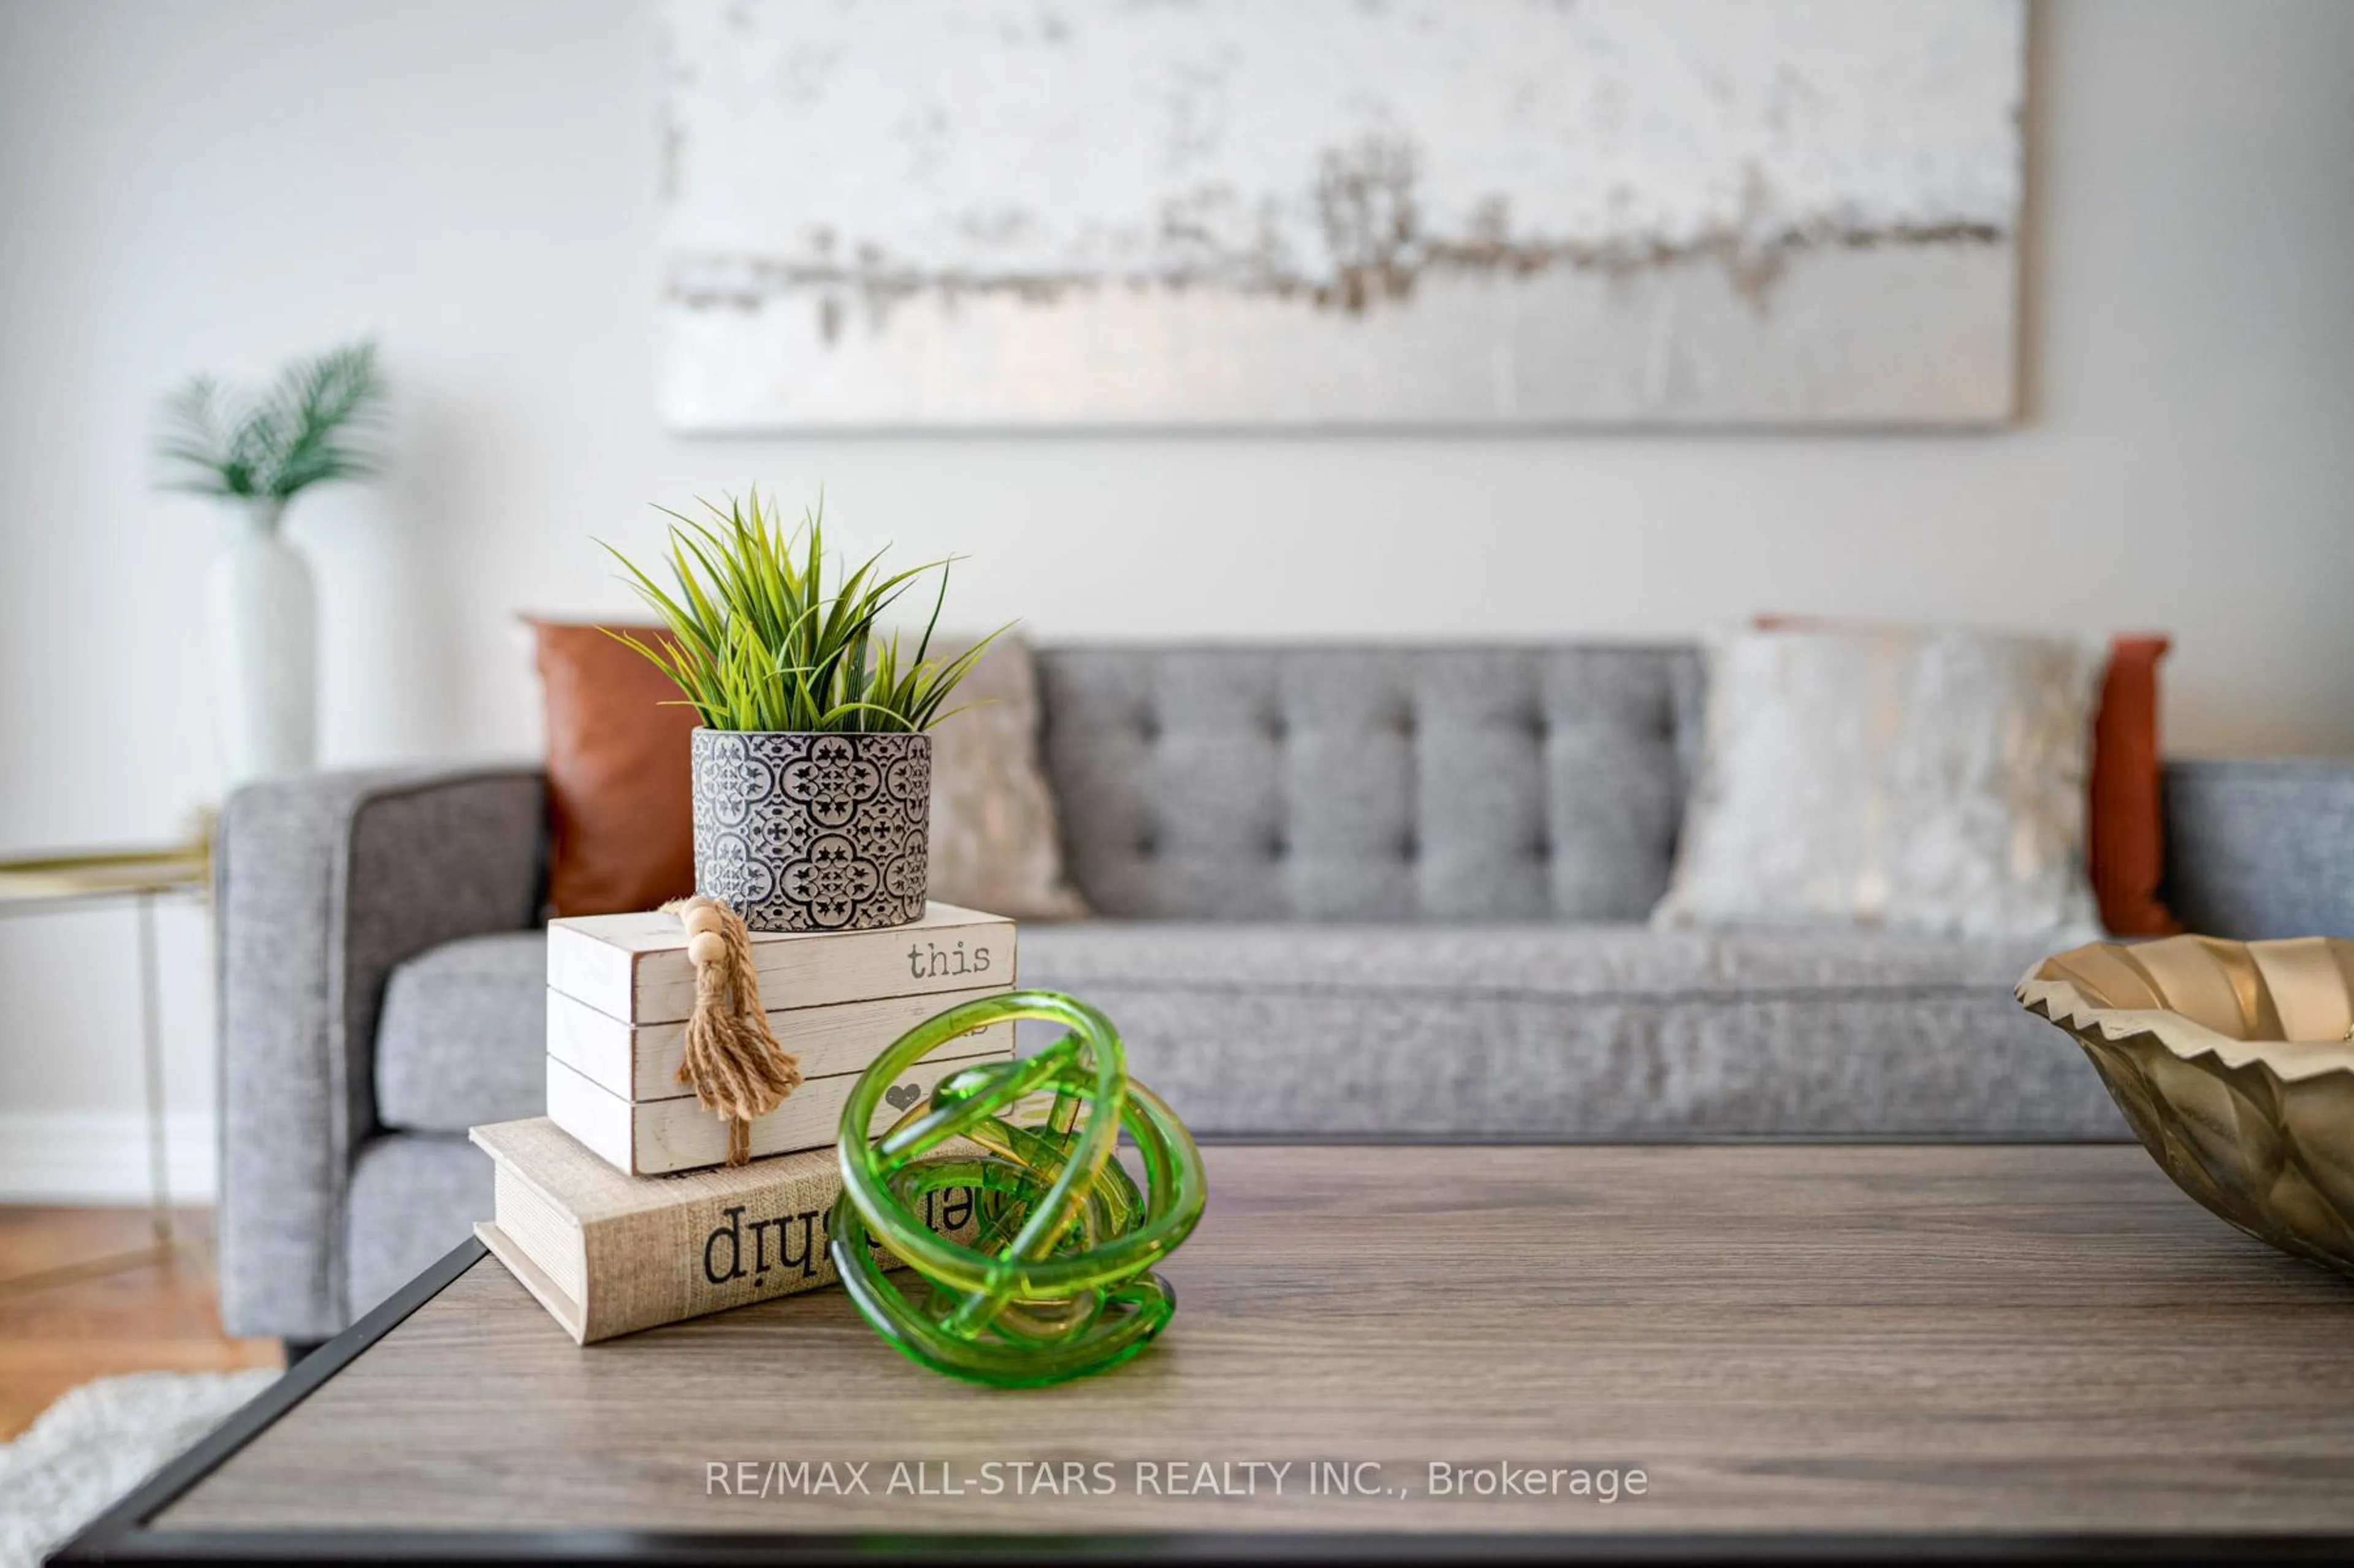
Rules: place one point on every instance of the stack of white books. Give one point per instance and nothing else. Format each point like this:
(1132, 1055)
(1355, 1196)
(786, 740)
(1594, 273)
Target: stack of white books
(620, 988)
(616, 1208)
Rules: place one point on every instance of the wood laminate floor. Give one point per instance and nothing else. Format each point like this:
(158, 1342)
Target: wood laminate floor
(157, 1315)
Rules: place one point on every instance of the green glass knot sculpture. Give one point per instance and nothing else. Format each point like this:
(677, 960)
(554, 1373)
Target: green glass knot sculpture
(1058, 1281)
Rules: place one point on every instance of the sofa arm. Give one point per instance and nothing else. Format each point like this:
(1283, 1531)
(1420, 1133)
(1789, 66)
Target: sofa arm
(323, 883)
(2261, 848)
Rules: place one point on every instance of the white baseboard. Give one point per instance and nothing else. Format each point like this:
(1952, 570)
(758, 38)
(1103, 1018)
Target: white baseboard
(101, 1157)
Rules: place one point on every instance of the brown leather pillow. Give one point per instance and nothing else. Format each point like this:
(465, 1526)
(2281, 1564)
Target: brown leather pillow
(2125, 840)
(620, 821)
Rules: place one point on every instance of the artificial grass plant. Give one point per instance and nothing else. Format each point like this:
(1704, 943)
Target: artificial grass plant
(760, 641)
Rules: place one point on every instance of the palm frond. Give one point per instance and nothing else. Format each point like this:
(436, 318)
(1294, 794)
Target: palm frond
(319, 422)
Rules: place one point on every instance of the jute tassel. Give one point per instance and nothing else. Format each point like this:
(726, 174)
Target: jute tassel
(734, 1064)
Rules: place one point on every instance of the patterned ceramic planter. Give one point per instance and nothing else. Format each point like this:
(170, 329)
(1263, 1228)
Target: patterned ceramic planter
(812, 832)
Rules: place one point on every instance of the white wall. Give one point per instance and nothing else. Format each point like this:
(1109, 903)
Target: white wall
(222, 185)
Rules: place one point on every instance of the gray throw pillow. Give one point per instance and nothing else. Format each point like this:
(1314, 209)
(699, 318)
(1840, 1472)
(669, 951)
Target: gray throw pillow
(1929, 779)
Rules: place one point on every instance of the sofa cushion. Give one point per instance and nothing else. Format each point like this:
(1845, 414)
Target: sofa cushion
(1369, 784)
(412, 1199)
(1578, 1031)
(2260, 847)
(1542, 1031)
(463, 1035)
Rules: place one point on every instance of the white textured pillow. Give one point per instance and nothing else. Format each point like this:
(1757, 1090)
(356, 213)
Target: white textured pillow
(995, 839)
(1929, 779)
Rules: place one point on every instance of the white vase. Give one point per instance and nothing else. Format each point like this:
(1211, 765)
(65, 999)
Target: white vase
(265, 648)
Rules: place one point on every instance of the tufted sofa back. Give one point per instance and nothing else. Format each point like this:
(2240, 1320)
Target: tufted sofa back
(1392, 783)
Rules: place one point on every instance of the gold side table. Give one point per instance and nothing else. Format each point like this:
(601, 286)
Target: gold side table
(50, 884)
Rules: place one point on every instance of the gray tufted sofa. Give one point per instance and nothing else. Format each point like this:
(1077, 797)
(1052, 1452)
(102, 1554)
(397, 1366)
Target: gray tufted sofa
(1338, 890)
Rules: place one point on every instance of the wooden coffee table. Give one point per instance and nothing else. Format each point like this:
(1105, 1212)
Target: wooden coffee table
(2013, 1352)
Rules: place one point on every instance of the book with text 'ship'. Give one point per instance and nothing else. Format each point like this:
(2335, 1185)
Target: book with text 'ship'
(609, 1254)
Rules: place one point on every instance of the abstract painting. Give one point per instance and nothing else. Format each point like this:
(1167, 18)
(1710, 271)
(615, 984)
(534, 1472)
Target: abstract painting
(901, 214)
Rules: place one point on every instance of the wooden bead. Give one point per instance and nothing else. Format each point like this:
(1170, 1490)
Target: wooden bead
(708, 948)
(707, 918)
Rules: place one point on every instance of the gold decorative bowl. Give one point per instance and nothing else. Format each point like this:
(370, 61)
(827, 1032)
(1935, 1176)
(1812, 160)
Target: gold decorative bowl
(2233, 1063)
